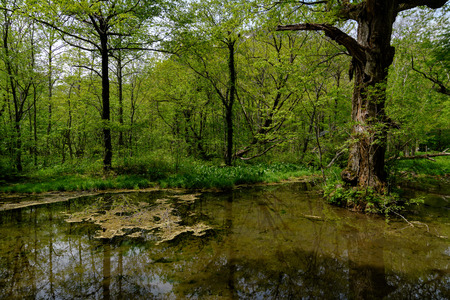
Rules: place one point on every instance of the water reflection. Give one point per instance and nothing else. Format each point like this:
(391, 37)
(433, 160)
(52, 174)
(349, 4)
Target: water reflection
(278, 242)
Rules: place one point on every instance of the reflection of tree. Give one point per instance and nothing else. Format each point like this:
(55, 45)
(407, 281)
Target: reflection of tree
(256, 257)
(265, 246)
(50, 256)
(17, 265)
(231, 260)
(106, 270)
(367, 277)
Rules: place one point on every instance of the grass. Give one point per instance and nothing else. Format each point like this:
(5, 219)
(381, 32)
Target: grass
(190, 174)
(164, 172)
(439, 167)
(226, 177)
(77, 183)
(423, 174)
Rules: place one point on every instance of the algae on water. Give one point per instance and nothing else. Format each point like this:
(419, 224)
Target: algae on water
(125, 217)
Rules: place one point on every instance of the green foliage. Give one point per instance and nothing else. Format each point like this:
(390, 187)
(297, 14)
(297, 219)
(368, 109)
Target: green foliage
(78, 183)
(292, 103)
(366, 200)
(439, 167)
(226, 177)
(162, 171)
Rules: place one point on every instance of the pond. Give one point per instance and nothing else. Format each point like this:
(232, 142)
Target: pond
(262, 242)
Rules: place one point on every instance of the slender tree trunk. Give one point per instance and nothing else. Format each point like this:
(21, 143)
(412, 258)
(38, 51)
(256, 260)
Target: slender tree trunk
(18, 145)
(50, 91)
(106, 116)
(120, 90)
(230, 102)
(69, 126)
(35, 136)
(18, 107)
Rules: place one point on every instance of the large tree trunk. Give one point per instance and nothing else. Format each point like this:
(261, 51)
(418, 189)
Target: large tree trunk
(365, 166)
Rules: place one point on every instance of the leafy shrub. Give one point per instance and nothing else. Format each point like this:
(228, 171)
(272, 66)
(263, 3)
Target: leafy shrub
(366, 200)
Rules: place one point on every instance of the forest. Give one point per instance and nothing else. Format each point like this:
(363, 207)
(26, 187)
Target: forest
(152, 88)
(224, 149)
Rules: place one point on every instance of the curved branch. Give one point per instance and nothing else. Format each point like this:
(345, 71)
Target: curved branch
(353, 47)
(442, 88)
(304, 2)
(89, 68)
(408, 4)
(351, 11)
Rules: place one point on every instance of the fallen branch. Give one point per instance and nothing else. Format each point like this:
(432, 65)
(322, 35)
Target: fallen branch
(422, 156)
(335, 158)
(409, 223)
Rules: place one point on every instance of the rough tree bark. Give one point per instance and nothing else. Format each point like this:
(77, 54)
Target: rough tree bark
(372, 54)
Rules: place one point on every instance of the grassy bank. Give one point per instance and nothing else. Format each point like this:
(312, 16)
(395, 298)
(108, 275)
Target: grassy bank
(424, 174)
(439, 167)
(193, 175)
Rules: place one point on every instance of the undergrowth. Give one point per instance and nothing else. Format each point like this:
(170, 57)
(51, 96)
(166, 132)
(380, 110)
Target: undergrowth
(439, 167)
(367, 200)
(144, 174)
(421, 172)
(224, 177)
(78, 183)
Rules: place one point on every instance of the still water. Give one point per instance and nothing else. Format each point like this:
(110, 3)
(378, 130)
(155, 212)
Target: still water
(272, 242)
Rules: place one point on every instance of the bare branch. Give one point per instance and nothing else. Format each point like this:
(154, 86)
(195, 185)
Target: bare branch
(303, 2)
(78, 46)
(408, 4)
(89, 68)
(66, 33)
(335, 158)
(263, 152)
(442, 88)
(424, 156)
(353, 47)
(141, 49)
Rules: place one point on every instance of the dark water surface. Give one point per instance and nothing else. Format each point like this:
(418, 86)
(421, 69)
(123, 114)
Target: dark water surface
(272, 242)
